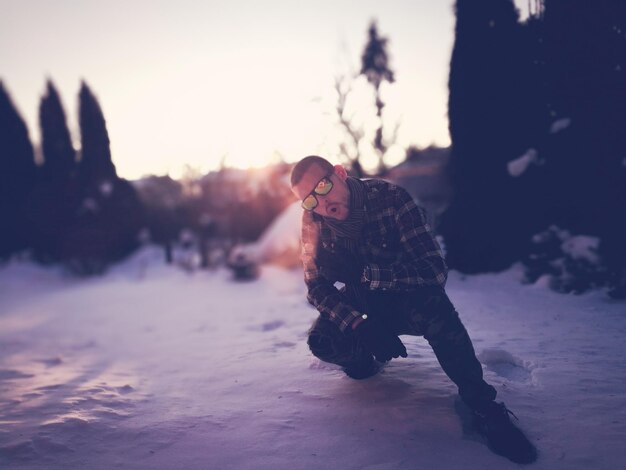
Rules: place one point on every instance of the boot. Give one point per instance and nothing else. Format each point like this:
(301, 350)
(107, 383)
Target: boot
(503, 437)
(363, 370)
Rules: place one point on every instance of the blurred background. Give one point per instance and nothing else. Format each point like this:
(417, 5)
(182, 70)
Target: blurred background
(124, 124)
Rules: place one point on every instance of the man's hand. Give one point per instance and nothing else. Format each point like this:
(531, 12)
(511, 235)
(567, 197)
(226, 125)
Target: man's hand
(341, 266)
(380, 340)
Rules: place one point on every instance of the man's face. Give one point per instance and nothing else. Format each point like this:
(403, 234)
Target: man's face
(335, 204)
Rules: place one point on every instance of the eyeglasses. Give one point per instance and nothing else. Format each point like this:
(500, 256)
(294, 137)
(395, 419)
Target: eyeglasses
(322, 188)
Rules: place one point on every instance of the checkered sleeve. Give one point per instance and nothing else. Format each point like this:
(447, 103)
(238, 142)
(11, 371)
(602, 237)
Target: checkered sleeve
(421, 262)
(322, 293)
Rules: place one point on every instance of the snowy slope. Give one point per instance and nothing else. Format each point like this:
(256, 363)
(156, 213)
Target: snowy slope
(279, 244)
(150, 367)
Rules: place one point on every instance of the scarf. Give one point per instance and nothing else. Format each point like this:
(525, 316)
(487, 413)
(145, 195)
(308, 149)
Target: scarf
(350, 231)
(351, 227)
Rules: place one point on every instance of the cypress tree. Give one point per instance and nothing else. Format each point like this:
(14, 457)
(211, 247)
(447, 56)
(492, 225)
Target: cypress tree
(59, 154)
(17, 176)
(482, 227)
(96, 165)
(53, 205)
(585, 49)
(109, 214)
(586, 43)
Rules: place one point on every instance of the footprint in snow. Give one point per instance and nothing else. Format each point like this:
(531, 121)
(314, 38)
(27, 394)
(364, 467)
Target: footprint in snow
(272, 325)
(506, 365)
(10, 374)
(51, 362)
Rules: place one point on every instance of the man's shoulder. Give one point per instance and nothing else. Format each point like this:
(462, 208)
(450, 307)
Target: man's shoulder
(381, 185)
(378, 189)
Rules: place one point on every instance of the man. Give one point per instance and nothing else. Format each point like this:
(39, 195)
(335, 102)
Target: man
(372, 237)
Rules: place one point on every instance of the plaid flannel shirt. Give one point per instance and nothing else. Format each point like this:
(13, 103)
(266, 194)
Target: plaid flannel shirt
(396, 244)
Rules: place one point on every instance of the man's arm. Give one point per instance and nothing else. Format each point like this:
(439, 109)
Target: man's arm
(376, 336)
(421, 263)
(322, 293)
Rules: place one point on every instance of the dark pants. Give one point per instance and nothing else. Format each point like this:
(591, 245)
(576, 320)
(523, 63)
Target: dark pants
(427, 312)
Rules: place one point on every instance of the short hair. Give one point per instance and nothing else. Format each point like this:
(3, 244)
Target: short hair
(303, 165)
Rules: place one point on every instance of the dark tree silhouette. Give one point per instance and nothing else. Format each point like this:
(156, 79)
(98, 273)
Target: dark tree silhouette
(555, 85)
(585, 50)
(51, 208)
(163, 200)
(487, 112)
(58, 152)
(106, 212)
(375, 67)
(17, 175)
(96, 165)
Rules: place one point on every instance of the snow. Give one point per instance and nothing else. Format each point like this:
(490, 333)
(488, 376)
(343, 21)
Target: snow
(106, 188)
(518, 166)
(152, 367)
(279, 243)
(90, 205)
(559, 125)
(582, 247)
(283, 234)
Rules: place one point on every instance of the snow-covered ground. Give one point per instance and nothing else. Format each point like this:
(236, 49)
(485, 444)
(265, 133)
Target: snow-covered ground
(151, 367)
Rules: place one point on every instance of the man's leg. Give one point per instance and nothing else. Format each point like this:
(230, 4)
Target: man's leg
(430, 313)
(329, 344)
(433, 315)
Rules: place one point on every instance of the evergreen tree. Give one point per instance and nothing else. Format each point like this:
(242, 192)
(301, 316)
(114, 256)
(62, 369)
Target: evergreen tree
(52, 208)
(108, 215)
(375, 67)
(17, 177)
(555, 84)
(585, 50)
(484, 227)
(59, 154)
(96, 164)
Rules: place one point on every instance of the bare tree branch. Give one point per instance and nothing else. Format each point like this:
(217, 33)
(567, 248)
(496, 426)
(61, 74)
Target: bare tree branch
(343, 87)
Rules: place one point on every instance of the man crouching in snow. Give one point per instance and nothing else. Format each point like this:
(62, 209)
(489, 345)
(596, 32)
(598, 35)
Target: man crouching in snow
(372, 237)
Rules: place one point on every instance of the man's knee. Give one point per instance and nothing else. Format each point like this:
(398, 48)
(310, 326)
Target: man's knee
(442, 319)
(319, 345)
(325, 340)
(329, 344)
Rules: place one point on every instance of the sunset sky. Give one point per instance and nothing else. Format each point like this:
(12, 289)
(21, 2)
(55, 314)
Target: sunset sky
(197, 82)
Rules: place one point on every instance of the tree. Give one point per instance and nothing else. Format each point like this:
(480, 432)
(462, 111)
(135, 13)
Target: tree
(487, 112)
(58, 152)
(107, 214)
(18, 175)
(375, 67)
(343, 87)
(554, 88)
(163, 200)
(52, 206)
(585, 50)
(96, 165)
